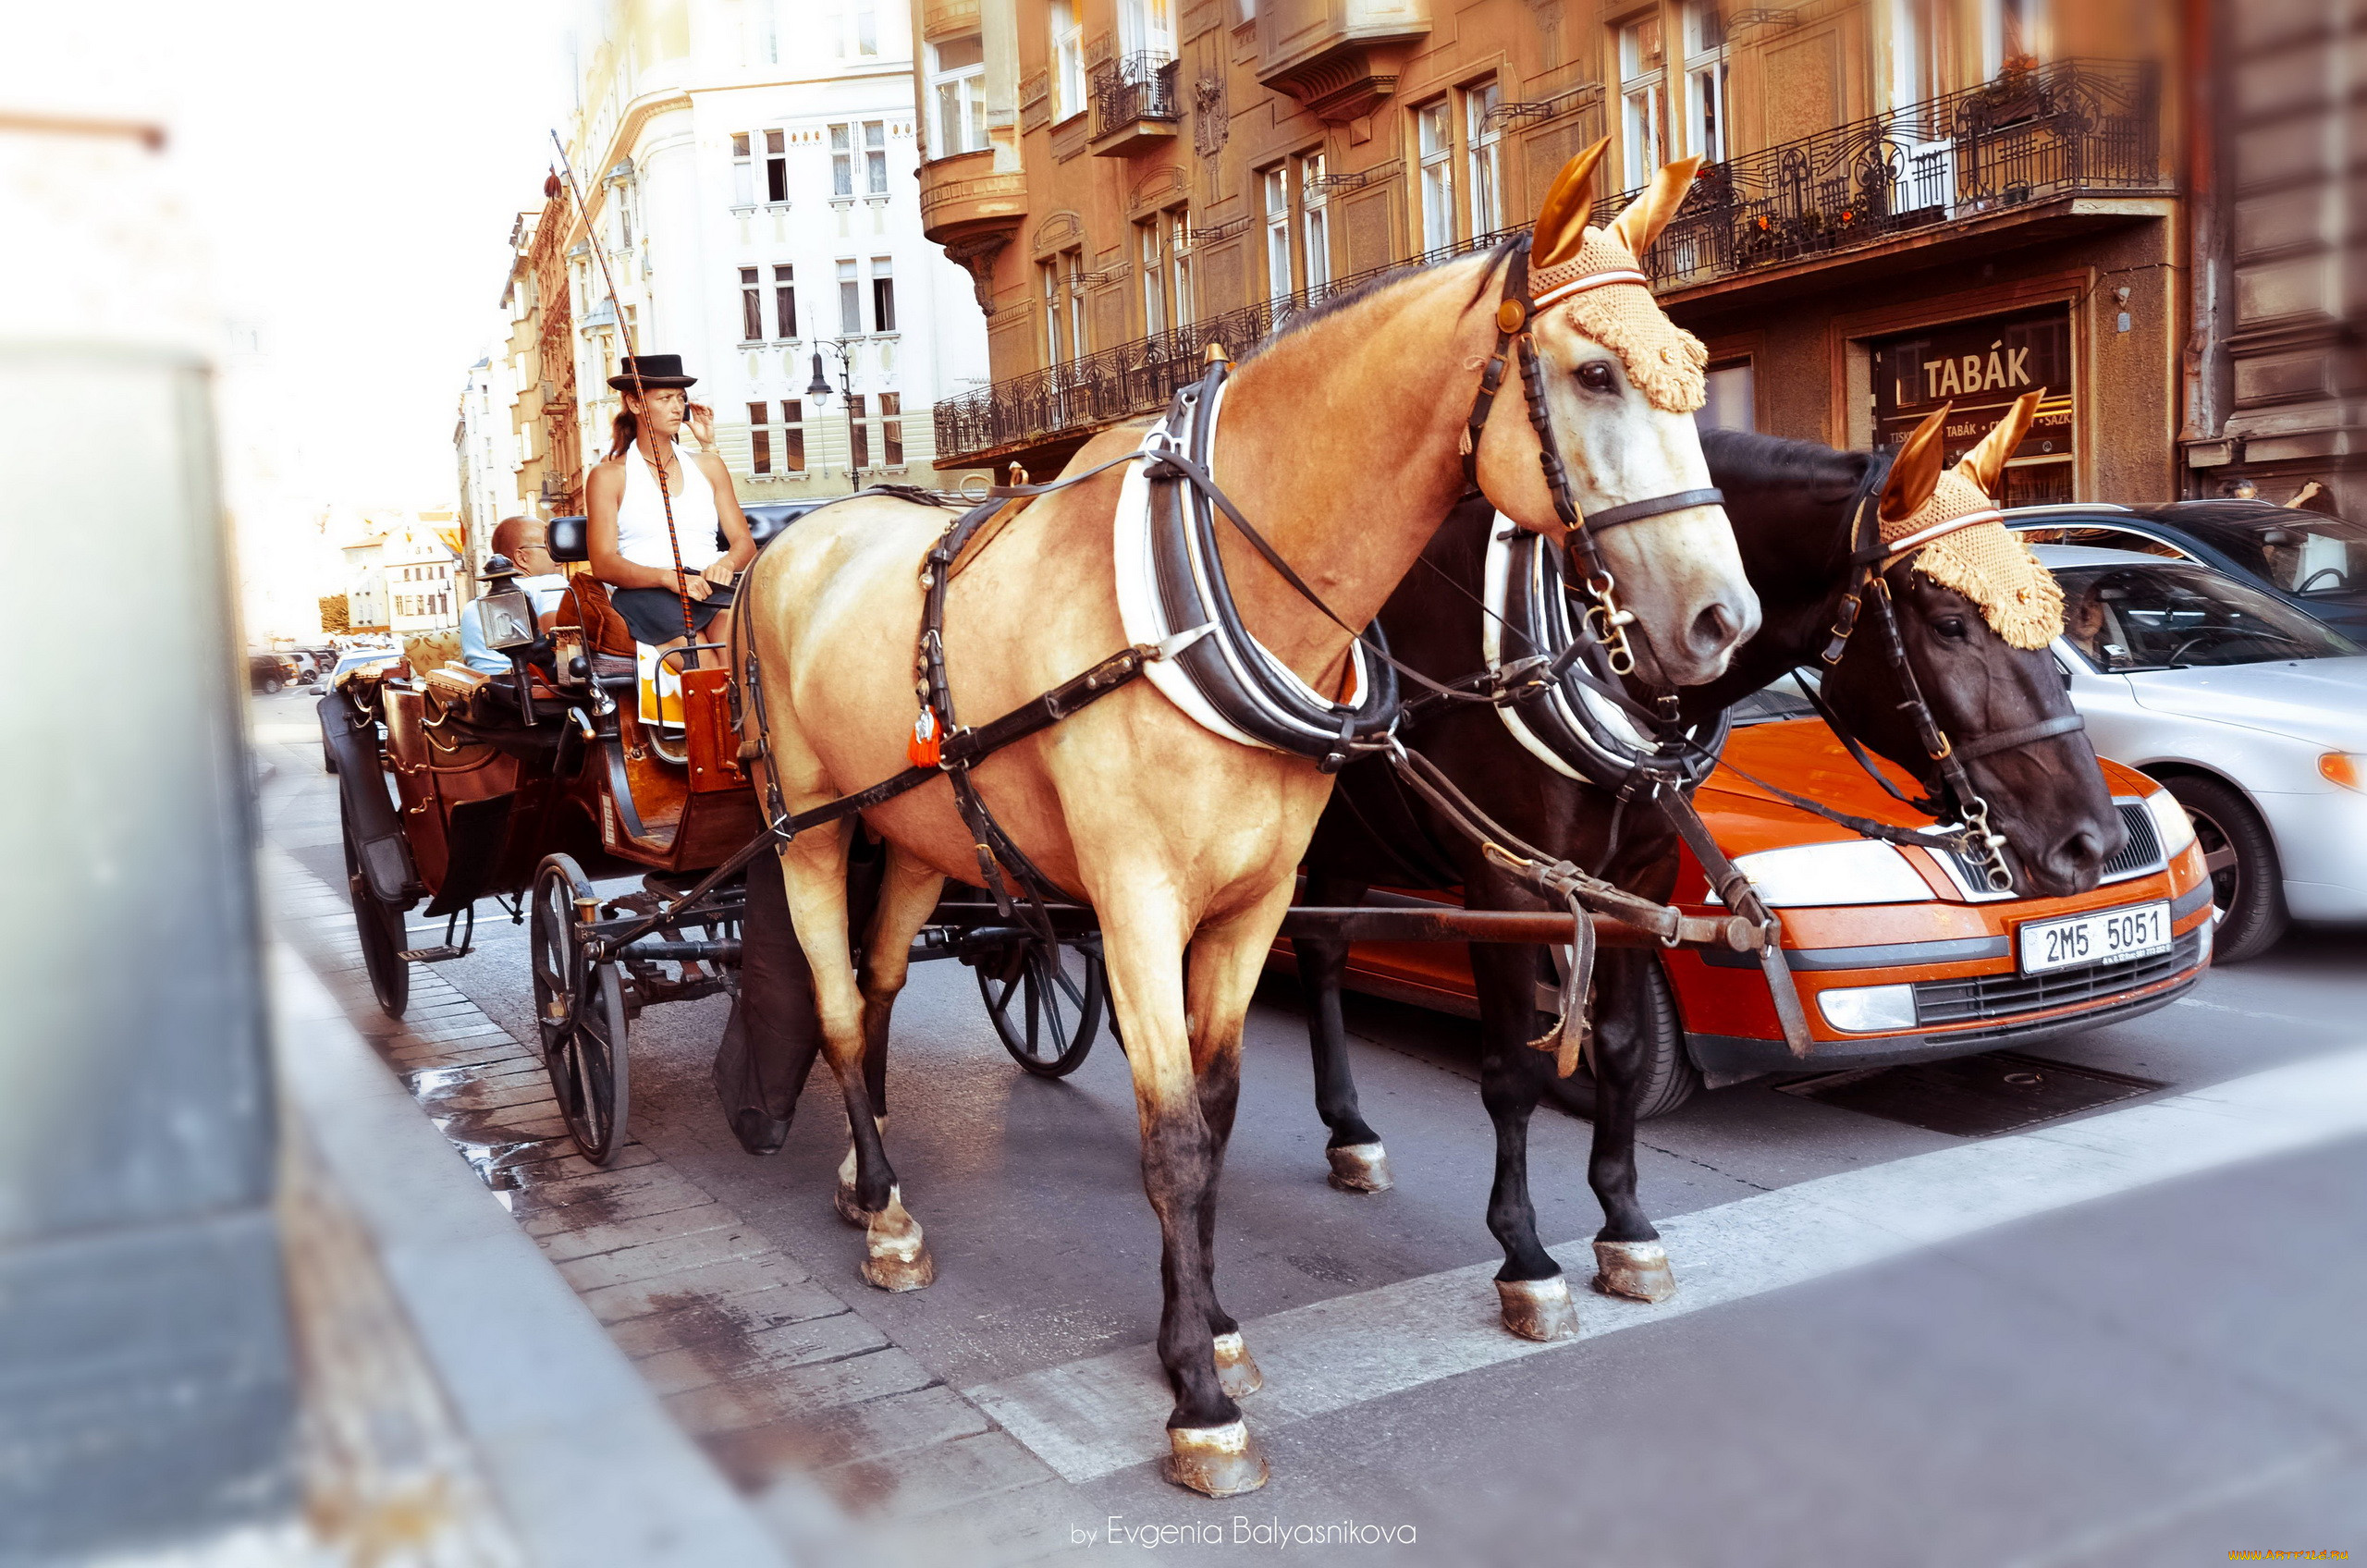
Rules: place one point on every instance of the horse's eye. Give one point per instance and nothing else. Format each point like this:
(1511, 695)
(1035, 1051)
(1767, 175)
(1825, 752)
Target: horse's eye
(1595, 376)
(1952, 628)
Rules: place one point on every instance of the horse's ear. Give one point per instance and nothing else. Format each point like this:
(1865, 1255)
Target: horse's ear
(1655, 205)
(1562, 221)
(1985, 464)
(1915, 473)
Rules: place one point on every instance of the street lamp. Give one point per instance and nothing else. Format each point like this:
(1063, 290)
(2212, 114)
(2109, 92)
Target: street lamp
(818, 390)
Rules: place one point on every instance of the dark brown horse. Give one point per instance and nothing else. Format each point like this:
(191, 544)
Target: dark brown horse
(1791, 503)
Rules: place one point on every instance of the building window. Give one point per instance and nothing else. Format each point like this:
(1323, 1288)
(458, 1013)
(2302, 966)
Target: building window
(1075, 271)
(849, 301)
(752, 307)
(1278, 234)
(1049, 278)
(1433, 143)
(1315, 205)
(1914, 60)
(760, 439)
(785, 300)
(1179, 266)
(891, 429)
(1154, 271)
(2013, 33)
(858, 432)
(777, 448)
(1147, 27)
(883, 296)
(1643, 89)
(874, 157)
(776, 166)
(957, 83)
(1727, 401)
(759, 41)
(1068, 60)
(1482, 141)
(842, 160)
(1705, 82)
(853, 26)
(792, 435)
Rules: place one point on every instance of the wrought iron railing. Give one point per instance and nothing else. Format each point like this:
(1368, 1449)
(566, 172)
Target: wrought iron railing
(2051, 130)
(1139, 378)
(2030, 134)
(1134, 87)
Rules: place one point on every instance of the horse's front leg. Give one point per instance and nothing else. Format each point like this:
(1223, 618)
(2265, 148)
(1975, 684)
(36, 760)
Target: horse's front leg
(1143, 930)
(1629, 1259)
(1529, 1287)
(908, 896)
(1359, 1162)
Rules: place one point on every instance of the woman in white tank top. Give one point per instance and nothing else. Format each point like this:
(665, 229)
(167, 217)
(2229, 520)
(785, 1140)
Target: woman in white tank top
(631, 549)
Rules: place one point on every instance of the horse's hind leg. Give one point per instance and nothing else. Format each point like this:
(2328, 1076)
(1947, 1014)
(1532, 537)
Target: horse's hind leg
(908, 896)
(814, 868)
(1629, 1259)
(1529, 1287)
(1143, 937)
(1359, 1162)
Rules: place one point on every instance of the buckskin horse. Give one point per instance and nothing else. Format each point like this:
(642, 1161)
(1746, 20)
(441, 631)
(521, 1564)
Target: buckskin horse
(1346, 438)
(1794, 506)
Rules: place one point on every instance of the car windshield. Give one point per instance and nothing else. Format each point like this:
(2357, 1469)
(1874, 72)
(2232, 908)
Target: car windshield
(1781, 700)
(2298, 552)
(2171, 616)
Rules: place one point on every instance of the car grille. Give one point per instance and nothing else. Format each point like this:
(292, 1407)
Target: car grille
(2139, 853)
(1941, 1003)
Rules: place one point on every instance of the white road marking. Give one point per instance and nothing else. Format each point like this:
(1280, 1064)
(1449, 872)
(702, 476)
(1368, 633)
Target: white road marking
(1100, 1415)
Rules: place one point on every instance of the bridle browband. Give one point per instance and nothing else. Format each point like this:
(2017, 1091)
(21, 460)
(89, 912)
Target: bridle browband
(1516, 343)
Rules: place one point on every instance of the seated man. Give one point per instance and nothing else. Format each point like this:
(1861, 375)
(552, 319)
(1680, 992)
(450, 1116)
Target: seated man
(525, 543)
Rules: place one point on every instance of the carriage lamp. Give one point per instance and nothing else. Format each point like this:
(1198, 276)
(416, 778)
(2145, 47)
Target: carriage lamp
(2171, 824)
(504, 620)
(1869, 1009)
(2341, 767)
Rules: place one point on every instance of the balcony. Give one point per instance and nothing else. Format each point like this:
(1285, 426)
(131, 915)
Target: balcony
(1134, 105)
(2044, 151)
(973, 211)
(2065, 145)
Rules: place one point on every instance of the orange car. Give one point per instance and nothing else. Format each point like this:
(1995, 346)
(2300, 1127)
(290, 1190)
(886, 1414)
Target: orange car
(1901, 954)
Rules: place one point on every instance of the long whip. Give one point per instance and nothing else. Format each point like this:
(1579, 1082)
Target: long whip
(632, 354)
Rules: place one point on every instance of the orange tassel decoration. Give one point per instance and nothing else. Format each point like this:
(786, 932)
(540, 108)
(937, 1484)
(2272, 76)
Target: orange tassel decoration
(924, 749)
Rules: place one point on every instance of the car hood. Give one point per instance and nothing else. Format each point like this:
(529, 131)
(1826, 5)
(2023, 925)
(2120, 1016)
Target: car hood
(1803, 756)
(2316, 700)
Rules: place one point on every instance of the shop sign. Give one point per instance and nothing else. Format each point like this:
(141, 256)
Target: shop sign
(1978, 368)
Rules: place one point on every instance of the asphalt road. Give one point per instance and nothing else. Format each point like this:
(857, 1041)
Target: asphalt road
(2162, 1365)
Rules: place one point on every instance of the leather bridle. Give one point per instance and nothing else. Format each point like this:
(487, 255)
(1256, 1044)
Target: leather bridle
(1516, 343)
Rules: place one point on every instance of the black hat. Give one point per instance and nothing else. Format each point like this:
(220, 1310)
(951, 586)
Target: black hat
(651, 370)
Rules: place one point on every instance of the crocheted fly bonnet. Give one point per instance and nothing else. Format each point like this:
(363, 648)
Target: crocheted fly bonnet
(1958, 538)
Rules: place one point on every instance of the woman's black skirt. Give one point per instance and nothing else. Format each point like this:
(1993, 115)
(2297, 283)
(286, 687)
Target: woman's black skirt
(654, 614)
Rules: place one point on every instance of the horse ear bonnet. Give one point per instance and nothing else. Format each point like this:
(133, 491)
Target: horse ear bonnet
(1985, 562)
(1665, 362)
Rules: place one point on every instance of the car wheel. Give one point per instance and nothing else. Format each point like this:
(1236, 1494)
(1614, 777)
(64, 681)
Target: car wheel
(2245, 883)
(1669, 1077)
(271, 685)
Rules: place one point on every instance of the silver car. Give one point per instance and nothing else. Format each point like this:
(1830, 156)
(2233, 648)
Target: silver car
(2253, 714)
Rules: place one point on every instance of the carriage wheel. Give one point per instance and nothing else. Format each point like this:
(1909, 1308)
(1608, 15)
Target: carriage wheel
(580, 1013)
(381, 924)
(1044, 1004)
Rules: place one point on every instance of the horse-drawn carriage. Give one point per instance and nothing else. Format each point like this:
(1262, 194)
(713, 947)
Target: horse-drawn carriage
(581, 767)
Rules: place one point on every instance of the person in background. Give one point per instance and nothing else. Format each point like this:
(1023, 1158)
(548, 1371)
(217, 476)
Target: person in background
(527, 545)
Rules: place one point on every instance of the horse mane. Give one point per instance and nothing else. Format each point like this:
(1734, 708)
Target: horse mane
(1356, 294)
(1752, 458)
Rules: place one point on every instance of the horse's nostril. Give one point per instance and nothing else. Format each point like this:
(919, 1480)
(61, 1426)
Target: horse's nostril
(1715, 628)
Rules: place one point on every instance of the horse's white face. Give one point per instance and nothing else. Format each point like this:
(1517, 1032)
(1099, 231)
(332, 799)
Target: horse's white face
(1679, 573)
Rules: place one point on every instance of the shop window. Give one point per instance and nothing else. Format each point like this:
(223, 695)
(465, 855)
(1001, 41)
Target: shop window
(1977, 369)
(1727, 402)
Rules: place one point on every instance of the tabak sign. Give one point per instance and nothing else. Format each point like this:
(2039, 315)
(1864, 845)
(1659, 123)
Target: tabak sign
(1979, 368)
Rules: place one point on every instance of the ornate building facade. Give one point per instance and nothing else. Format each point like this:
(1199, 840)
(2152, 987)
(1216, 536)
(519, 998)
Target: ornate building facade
(1905, 203)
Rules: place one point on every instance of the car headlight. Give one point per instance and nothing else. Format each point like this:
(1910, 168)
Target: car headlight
(1856, 871)
(1869, 1009)
(2341, 767)
(2171, 824)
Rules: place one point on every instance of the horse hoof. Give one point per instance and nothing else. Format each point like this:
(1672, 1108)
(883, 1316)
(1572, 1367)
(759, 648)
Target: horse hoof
(843, 1200)
(1214, 1460)
(1237, 1374)
(1359, 1168)
(1635, 1270)
(1539, 1310)
(895, 1269)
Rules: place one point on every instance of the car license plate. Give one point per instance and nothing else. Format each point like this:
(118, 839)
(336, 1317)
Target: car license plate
(2113, 936)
